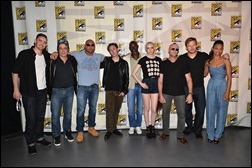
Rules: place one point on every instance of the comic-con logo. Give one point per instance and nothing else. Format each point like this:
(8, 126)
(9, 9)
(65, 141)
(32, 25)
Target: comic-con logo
(176, 35)
(138, 36)
(216, 9)
(234, 46)
(138, 11)
(158, 47)
(41, 25)
(122, 119)
(176, 10)
(173, 108)
(79, 47)
(47, 123)
(235, 72)
(118, 24)
(100, 37)
(86, 121)
(80, 25)
(20, 13)
(249, 107)
(60, 12)
(158, 121)
(234, 96)
(79, 3)
(157, 23)
(231, 119)
(101, 109)
(249, 84)
(39, 3)
(118, 3)
(99, 12)
(196, 22)
(236, 21)
(121, 49)
(215, 34)
(249, 58)
(22, 39)
(61, 35)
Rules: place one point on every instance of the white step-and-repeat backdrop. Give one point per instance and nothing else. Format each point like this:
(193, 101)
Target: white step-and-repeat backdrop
(162, 22)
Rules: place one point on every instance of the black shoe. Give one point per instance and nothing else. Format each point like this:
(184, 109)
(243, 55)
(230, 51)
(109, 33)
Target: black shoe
(57, 141)
(187, 132)
(69, 136)
(153, 131)
(198, 136)
(210, 141)
(117, 132)
(44, 142)
(107, 135)
(32, 150)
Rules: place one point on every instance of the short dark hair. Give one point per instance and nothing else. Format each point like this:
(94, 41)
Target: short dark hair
(41, 35)
(112, 44)
(188, 40)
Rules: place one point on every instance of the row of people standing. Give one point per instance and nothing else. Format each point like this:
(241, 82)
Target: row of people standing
(88, 64)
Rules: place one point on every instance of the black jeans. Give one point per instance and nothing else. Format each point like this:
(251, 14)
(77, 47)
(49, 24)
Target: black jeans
(35, 108)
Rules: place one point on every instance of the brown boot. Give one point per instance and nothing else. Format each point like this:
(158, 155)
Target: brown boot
(79, 137)
(93, 132)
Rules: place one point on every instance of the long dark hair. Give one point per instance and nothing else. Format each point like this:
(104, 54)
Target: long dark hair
(215, 43)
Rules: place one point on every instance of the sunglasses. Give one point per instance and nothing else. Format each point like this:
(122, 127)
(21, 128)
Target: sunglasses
(175, 49)
(90, 45)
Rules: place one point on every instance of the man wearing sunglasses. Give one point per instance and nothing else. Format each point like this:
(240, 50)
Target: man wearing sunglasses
(173, 73)
(88, 67)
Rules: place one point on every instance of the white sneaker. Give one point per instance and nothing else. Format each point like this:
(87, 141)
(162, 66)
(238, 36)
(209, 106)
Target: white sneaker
(131, 130)
(138, 130)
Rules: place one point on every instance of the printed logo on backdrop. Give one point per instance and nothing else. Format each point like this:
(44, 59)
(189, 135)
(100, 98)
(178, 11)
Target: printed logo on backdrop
(22, 39)
(47, 123)
(80, 25)
(249, 58)
(216, 9)
(234, 96)
(40, 3)
(118, 3)
(61, 35)
(138, 11)
(173, 108)
(235, 72)
(79, 47)
(101, 109)
(118, 24)
(60, 12)
(236, 21)
(158, 121)
(196, 2)
(157, 23)
(198, 46)
(196, 22)
(41, 25)
(231, 119)
(100, 38)
(79, 3)
(20, 13)
(99, 12)
(249, 107)
(121, 51)
(176, 35)
(157, 2)
(176, 10)
(158, 48)
(85, 120)
(249, 83)
(122, 119)
(215, 34)
(234, 46)
(138, 36)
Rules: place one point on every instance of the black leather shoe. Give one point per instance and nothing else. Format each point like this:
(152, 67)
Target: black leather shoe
(107, 135)
(163, 137)
(210, 141)
(117, 132)
(198, 136)
(32, 150)
(187, 131)
(183, 140)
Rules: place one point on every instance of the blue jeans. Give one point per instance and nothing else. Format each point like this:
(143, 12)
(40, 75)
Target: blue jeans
(35, 108)
(91, 94)
(61, 97)
(199, 104)
(135, 106)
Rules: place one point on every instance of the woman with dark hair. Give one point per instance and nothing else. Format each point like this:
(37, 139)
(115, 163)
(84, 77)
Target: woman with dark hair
(218, 91)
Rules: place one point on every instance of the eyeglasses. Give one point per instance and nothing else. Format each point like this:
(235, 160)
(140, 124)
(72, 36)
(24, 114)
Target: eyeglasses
(175, 49)
(19, 104)
(90, 45)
